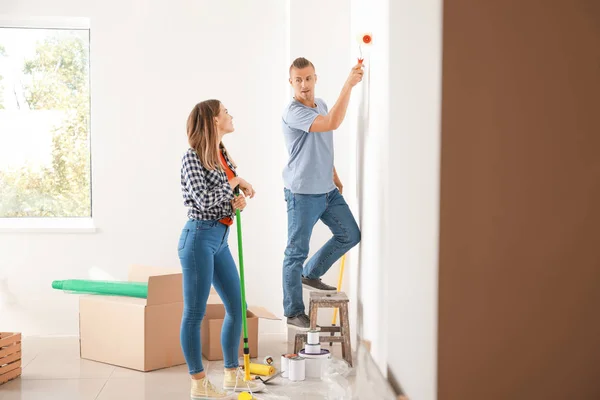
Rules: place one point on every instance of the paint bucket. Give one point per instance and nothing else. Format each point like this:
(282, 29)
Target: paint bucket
(312, 349)
(312, 337)
(285, 364)
(314, 367)
(297, 369)
(315, 363)
(324, 354)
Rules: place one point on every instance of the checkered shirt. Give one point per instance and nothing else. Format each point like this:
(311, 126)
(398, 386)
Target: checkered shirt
(206, 193)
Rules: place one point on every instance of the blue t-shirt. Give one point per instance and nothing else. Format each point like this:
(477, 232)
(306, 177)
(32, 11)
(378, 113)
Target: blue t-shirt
(309, 169)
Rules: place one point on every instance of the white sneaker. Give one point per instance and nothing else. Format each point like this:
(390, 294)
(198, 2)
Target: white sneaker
(234, 380)
(203, 389)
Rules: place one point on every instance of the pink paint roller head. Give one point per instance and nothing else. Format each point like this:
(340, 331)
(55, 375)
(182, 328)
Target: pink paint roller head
(364, 39)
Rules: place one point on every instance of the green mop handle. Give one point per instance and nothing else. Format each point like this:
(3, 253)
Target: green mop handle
(243, 290)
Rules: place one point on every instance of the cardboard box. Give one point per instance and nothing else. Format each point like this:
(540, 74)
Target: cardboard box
(141, 334)
(10, 356)
(144, 334)
(213, 322)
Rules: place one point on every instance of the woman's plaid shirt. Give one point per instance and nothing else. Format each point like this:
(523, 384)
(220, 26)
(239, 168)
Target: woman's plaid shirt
(206, 193)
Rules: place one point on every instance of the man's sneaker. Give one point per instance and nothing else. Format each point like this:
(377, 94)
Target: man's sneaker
(299, 321)
(234, 380)
(317, 285)
(202, 389)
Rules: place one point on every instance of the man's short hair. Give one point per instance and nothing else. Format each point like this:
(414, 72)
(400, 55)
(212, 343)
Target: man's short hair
(300, 63)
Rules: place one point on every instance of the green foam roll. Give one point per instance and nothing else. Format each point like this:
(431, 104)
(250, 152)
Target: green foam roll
(115, 288)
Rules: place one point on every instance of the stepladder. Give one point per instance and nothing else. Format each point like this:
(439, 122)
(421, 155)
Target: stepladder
(337, 300)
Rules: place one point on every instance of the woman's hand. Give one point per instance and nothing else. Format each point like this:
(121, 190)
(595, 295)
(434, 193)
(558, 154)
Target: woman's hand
(246, 188)
(238, 203)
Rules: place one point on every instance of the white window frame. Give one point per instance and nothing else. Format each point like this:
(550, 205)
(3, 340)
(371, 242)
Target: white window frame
(48, 225)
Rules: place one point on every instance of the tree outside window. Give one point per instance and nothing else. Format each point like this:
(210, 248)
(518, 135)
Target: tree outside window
(44, 123)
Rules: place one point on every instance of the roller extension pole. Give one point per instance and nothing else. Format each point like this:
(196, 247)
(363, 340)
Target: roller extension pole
(243, 291)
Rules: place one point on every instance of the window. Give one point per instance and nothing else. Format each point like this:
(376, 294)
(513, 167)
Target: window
(44, 121)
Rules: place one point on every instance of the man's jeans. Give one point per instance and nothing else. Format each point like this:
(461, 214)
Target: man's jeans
(304, 210)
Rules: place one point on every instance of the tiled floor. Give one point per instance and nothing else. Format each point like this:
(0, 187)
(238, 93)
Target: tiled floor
(53, 370)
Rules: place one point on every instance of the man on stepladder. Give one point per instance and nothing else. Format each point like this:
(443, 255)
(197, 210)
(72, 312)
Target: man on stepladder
(313, 190)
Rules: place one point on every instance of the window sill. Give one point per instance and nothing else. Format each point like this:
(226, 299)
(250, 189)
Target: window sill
(47, 225)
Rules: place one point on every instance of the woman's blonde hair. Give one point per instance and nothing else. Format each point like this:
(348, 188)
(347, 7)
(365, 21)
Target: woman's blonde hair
(203, 136)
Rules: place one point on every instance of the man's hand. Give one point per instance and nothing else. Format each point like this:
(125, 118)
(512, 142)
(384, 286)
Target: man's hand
(339, 185)
(239, 202)
(356, 75)
(337, 182)
(333, 120)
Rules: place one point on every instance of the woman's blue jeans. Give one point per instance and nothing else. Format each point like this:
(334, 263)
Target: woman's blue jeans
(206, 259)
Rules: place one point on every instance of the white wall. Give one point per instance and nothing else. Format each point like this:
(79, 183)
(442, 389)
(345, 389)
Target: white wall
(413, 226)
(152, 61)
(370, 130)
(399, 251)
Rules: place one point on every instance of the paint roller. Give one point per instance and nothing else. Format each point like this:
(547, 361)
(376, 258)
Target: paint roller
(364, 39)
(248, 367)
(243, 291)
(261, 369)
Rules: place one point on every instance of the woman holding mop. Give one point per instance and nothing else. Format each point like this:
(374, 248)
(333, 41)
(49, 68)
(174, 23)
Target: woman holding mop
(208, 181)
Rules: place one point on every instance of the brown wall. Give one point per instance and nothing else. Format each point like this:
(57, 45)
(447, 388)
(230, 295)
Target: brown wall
(519, 307)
